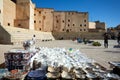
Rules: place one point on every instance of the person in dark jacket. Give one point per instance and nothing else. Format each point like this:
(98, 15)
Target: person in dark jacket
(106, 40)
(118, 38)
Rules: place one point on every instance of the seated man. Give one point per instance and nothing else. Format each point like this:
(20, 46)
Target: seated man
(79, 40)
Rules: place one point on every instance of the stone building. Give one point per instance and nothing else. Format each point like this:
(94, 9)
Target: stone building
(92, 25)
(47, 21)
(17, 22)
(59, 21)
(97, 26)
(70, 21)
(117, 27)
(7, 12)
(24, 14)
(100, 25)
(43, 19)
(18, 13)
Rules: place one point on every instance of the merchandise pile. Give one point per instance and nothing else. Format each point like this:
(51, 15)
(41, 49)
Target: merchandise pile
(69, 64)
(57, 57)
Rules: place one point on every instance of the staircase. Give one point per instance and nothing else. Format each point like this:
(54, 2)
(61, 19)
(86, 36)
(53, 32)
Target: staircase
(18, 35)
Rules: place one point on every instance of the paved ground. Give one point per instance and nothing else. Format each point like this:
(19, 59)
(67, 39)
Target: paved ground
(100, 54)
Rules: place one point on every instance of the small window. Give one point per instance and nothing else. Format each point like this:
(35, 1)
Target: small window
(84, 29)
(85, 25)
(39, 12)
(68, 25)
(80, 25)
(57, 21)
(8, 24)
(80, 29)
(85, 20)
(73, 24)
(67, 30)
(0, 11)
(40, 29)
(34, 21)
(68, 20)
(34, 14)
(62, 29)
(63, 21)
(56, 16)
(19, 24)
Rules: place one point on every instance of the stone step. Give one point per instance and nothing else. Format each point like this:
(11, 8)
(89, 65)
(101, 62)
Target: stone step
(18, 35)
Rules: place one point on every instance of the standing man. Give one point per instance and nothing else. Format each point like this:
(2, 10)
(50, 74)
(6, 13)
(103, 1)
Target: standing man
(118, 39)
(106, 40)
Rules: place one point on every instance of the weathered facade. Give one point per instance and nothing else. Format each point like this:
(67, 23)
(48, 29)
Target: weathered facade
(7, 12)
(24, 14)
(1, 12)
(70, 21)
(59, 22)
(43, 19)
(97, 26)
(18, 13)
(100, 25)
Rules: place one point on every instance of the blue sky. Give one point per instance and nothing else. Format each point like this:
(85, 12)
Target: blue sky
(107, 11)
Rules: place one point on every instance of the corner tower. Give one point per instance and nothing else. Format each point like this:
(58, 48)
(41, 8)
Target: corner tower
(24, 14)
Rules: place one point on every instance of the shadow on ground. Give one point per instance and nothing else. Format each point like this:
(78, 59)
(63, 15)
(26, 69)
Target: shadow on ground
(113, 51)
(2, 65)
(116, 46)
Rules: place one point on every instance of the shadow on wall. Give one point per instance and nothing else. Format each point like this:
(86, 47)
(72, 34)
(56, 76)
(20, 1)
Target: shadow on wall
(2, 65)
(73, 35)
(5, 37)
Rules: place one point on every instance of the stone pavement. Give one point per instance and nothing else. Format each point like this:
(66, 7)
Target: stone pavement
(99, 54)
